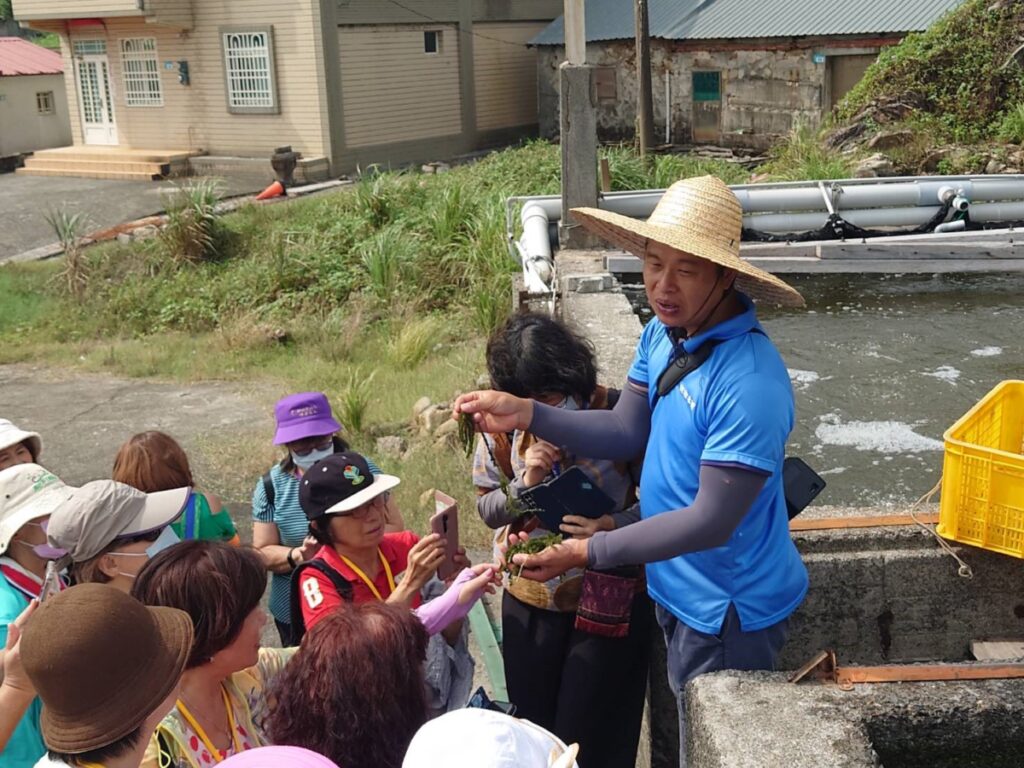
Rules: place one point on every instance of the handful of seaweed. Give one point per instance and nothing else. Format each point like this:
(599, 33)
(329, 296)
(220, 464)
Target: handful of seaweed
(467, 433)
(531, 546)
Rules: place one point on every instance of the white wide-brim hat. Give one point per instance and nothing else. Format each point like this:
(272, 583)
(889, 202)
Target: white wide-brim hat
(12, 435)
(483, 738)
(699, 216)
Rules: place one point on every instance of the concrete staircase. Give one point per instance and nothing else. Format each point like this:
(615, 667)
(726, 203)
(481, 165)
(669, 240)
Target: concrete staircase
(109, 163)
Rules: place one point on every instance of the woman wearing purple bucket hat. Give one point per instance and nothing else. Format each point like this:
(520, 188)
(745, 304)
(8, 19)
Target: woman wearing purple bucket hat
(307, 429)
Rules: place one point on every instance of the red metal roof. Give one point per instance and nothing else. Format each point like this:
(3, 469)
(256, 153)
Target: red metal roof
(20, 57)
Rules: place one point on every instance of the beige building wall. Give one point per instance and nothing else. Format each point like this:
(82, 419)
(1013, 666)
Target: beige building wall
(505, 73)
(196, 117)
(392, 90)
(56, 9)
(178, 12)
(22, 127)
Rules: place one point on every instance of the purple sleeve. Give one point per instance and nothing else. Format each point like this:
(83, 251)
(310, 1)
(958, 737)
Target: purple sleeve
(725, 495)
(618, 434)
(445, 608)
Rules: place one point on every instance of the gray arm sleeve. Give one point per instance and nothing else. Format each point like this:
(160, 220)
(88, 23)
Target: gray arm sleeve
(493, 507)
(724, 496)
(618, 434)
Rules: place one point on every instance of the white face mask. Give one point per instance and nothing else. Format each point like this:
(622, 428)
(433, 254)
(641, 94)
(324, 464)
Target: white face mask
(311, 458)
(167, 538)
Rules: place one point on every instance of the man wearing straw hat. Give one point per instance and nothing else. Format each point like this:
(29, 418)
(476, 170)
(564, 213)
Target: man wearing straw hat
(709, 397)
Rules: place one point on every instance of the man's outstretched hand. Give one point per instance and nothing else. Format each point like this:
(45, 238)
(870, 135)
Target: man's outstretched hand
(553, 561)
(495, 412)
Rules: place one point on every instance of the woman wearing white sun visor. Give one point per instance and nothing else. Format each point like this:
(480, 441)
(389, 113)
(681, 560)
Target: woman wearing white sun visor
(110, 530)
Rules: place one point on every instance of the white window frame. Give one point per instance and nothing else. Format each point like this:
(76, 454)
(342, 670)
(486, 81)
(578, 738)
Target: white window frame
(140, 72)
(45, 104)
(438, 38)
(90, 46)
(250, 77)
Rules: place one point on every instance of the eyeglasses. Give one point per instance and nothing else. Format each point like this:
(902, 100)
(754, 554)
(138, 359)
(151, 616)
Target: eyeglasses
(363, 510)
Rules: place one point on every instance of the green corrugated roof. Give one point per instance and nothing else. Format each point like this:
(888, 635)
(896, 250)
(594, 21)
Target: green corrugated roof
(731, 19)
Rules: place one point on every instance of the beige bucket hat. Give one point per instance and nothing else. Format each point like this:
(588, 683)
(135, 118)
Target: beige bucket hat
(699, 216)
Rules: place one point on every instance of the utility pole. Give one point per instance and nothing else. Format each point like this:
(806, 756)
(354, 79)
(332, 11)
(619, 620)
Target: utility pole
(578, 123)
(644, 107)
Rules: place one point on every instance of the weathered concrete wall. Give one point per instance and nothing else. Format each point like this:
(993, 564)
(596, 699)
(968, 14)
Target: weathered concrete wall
(758, 720)
(881, 595)
(766, 87)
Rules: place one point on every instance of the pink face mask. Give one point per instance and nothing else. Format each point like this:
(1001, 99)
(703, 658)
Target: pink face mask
(43, 551)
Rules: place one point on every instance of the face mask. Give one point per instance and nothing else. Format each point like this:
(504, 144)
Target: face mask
(311, 458)
(43, 551)
(167, 538)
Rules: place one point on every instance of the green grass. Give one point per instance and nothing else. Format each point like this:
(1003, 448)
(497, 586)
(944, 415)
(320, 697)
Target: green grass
(26, 298)
(952, 72)
(802, 156)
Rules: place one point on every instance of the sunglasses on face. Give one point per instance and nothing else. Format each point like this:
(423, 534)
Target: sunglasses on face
(306, 447)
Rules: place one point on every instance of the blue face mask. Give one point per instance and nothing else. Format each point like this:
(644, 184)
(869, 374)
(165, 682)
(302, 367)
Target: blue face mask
(167, 538)
(311, 458)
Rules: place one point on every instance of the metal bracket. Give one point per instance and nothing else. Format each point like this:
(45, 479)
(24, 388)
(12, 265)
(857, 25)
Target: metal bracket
(823, 667)
(826, 195)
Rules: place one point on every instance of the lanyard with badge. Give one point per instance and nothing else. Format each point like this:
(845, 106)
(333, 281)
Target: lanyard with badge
(198, 729)
(366, 579)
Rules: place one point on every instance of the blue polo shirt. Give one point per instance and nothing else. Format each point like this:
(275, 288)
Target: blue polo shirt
(736, 409)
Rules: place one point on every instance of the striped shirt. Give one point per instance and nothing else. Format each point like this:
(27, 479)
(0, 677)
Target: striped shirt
(292, 526)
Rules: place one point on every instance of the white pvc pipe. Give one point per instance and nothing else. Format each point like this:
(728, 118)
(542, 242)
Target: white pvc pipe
(535, 249)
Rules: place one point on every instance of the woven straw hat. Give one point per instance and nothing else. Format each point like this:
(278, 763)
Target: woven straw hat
(701, 217)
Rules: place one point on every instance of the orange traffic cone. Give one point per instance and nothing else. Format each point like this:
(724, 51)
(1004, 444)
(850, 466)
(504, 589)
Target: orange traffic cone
(274, 190)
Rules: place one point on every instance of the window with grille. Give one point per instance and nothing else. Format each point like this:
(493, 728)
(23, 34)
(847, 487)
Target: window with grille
(707, 86)
(44, 102)
(249, 71)
(141, 72)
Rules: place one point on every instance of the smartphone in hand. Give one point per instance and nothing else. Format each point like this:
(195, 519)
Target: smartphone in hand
(445, 521)
(51, 582)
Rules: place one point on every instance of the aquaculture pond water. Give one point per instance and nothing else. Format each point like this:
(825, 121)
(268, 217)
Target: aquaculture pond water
(882, 365)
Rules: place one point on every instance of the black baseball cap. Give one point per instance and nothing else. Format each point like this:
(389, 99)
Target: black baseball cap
(339, 484)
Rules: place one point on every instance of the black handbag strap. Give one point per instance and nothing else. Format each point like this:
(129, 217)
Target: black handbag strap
(684, 363)
(341, 585)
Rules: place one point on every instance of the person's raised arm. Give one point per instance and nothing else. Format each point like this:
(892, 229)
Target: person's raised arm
(618, 434)
(16, 692)
(725, 495)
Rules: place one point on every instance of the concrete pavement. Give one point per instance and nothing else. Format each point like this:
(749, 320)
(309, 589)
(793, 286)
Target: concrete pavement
(25, 201)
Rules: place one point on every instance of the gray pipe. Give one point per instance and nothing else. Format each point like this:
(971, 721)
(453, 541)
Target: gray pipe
(879, 217)
(790, 207)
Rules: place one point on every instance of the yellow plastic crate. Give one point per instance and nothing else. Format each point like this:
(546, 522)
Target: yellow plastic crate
(983, 473)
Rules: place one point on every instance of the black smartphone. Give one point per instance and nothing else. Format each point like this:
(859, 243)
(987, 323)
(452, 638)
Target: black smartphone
(800, 483)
